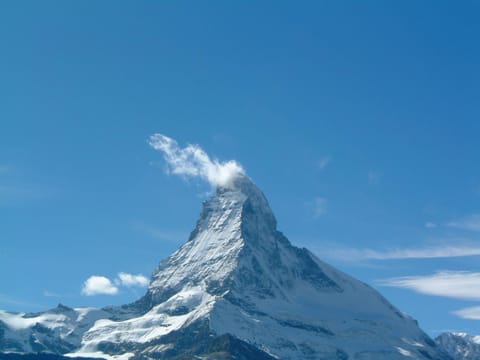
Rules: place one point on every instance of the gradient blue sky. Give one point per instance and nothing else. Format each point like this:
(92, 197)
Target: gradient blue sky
(360, 122)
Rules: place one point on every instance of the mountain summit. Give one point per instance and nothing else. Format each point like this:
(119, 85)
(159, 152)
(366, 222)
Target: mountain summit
(237, 289)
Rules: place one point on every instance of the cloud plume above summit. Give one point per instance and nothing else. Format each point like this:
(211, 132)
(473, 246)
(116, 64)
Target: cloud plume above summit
(192, 161)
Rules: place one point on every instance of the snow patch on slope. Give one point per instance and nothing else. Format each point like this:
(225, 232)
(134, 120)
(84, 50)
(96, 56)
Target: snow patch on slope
(191, 304)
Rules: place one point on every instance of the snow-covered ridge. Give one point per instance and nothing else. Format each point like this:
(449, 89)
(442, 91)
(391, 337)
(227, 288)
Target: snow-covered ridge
(238, 284)
(460, 346)
(57, 330)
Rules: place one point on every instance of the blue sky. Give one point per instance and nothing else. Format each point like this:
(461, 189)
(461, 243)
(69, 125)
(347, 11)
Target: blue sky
(360, 122)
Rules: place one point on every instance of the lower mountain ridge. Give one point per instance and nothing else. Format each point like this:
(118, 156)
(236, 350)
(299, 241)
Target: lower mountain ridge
(237, 289)
(460, 346)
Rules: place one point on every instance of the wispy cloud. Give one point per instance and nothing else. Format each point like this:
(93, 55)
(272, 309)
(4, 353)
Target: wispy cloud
(193, 162)
(4, 169)
(48, 293)
(472, 313)
(99, 285)
(324, 161)
(102, 285)
(444, 251)
(14, 193)
(11, 194)
(18, 188)
(374, 177)
(453, 284)
(9, 300)
(130, 280)
(319, 207)
(471, 222)
(430, 225)
(156, 233)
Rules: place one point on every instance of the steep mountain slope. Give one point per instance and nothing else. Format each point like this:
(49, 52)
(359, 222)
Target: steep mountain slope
(238, 289)
(460, 346)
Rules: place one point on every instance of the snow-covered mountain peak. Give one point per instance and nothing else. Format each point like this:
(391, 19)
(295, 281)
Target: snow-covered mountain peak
(235, 219)
(250, 276)
(246, 194)
(236, 287)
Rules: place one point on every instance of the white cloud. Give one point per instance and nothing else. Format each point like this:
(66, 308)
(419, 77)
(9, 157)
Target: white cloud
(453, 284)
(319, 207)
(97, 285)
(192, 161)
(323, 162)
(444, 251)
(471, 222)
(472, 313)
(130, 280)
(430, 225)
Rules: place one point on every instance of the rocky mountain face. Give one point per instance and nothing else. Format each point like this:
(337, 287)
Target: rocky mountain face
(237, 289)
(460, 346)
